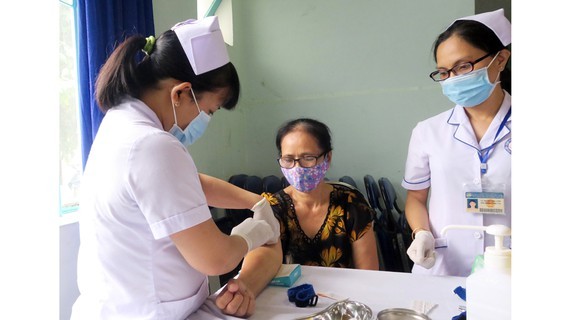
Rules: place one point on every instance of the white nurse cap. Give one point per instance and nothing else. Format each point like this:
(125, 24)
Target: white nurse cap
(203, 43)
(496, 21)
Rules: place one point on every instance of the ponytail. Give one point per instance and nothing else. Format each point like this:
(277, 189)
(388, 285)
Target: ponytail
(118, 76)
(126, 74)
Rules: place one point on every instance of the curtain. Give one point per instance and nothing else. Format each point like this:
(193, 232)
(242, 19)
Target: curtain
(101, 25)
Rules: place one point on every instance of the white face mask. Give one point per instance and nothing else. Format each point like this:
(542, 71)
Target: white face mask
(194, 130)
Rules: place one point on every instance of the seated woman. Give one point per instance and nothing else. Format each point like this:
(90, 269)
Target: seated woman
(322, 224)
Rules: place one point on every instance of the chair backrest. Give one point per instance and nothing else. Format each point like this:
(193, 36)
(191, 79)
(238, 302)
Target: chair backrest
(284, 182)
(348, 185)
(238, 180)
(391, 197)
(389, 194)
(254, 184)
(349, 180)
(372, 192)
(271, 184)
(238, 215)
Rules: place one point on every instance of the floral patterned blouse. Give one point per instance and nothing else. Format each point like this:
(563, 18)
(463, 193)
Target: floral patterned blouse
(349, 217)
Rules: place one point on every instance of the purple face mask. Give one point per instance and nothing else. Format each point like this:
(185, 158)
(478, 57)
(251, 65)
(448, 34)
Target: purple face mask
(306, 179)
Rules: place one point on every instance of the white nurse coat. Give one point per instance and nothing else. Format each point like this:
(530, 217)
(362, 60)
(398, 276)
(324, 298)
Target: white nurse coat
(443, 156)
(140, 185)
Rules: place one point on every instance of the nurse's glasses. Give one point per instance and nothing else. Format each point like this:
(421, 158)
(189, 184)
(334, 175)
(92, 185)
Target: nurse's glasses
(462, 68)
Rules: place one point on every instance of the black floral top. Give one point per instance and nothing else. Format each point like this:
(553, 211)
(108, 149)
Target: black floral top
(349, 217)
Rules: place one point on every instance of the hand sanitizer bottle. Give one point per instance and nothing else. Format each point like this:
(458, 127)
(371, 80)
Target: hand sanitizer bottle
(488, 290)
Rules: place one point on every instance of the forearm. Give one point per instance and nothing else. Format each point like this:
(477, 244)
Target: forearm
(195, 245)
(260, 266)
(222, 194)
(416, 209)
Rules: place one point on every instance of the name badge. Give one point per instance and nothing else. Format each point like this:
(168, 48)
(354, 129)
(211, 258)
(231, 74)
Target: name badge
(485, 202)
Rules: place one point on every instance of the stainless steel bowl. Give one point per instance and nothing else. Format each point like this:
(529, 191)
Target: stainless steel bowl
(400, 314)
(343, 310)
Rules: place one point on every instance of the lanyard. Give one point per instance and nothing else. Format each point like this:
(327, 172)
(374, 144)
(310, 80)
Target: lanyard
(483, 157)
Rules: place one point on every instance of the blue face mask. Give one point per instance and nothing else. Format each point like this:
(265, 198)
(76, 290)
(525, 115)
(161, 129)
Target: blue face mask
(471, 89)
(194, 130)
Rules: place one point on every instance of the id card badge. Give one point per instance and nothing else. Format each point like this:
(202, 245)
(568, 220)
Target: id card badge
(489, 201)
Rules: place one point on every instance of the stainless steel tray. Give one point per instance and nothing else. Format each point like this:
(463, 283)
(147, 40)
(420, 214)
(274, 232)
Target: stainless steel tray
(400, 314)
(343, 310)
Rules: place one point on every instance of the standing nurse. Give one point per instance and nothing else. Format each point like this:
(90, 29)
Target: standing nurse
(463, 153)
(148, 240)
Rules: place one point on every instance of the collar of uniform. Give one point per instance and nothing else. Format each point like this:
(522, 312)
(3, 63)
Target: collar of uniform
(464, 131)
(489, 138)
(141, 108)
(458, 115)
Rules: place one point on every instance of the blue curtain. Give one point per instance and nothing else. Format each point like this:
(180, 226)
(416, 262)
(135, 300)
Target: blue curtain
(101, 25)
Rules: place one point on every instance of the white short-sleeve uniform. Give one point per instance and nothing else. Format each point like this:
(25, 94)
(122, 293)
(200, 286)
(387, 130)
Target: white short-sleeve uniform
(443, 156)
(140, 186)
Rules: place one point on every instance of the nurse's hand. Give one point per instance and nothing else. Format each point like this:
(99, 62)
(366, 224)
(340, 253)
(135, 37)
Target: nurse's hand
(262, 211)
(422, 249)
(236, 300)
(255, 232)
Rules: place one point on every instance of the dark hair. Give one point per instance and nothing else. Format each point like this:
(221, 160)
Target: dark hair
(313, 127)
(479, 36)
(124, 73)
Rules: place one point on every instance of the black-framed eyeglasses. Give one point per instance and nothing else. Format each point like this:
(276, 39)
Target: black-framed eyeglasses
(462, 68)
(307, 161)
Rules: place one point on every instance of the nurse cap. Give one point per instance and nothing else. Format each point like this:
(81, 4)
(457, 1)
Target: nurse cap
(496, 21)
(203, 43)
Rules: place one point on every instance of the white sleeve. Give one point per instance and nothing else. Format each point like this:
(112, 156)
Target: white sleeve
(417, 175)
(164, 182)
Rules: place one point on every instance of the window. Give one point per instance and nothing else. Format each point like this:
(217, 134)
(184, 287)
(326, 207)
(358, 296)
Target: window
(70, 165)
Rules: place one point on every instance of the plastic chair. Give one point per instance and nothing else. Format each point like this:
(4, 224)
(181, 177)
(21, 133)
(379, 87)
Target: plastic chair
(373, 193)
(349, 180)
(238, 215)
(393, 210)
(254, 184)
(391, 201)
(271, 184)
(284, 182)
(389, 236)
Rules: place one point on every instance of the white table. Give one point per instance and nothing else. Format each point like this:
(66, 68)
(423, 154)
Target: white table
(377, 289)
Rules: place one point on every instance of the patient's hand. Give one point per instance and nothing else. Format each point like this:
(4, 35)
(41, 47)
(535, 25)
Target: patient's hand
(235, 299)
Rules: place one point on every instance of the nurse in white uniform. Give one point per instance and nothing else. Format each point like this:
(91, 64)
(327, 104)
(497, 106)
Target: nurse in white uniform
(461, 158)
(148, 241)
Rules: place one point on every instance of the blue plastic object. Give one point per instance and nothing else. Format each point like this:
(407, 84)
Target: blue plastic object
(303, 295)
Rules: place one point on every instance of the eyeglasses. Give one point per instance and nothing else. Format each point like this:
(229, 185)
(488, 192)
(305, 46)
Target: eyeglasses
(462, 68)
(304, 161)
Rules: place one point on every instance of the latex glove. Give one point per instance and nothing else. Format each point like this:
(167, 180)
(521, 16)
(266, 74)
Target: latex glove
(262, 211)
(422, 249)
(255, 232)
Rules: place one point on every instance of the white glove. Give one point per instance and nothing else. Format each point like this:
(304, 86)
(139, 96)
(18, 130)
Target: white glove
(255, 232)
(422, 249)
(262, 211)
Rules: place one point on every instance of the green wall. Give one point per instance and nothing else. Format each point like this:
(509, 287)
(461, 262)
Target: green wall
(361, 67)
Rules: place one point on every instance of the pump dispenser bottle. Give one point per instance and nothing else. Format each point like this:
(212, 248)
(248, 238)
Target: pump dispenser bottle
(488, 290)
